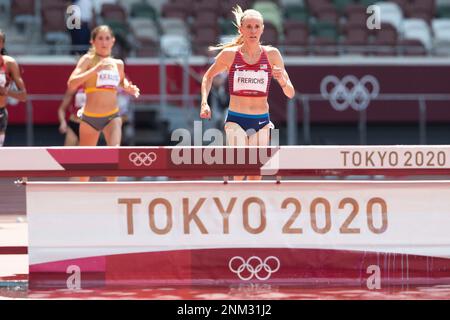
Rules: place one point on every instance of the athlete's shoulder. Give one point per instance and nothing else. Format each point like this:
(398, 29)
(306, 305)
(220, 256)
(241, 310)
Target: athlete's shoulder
(231, 50)
(226, 56)
(274, 55)
(10, 63)
(86, 58)
(228, 52)
(9, 59)
(271, 50)
(119, 62)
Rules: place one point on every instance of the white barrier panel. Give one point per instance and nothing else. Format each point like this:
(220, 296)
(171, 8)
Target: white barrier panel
(186, 231)
(360, 157)
(221, 161)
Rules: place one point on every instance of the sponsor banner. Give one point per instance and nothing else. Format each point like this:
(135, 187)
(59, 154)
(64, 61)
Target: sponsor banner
(82, 220)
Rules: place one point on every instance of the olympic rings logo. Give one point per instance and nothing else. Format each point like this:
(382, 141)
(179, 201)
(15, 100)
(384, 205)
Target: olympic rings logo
(349, 91)
(253, 266)
(142, 158)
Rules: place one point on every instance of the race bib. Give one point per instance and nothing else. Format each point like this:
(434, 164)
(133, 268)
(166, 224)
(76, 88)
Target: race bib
(248, 80)
(108, 79)
(2, 80)
(80, 100)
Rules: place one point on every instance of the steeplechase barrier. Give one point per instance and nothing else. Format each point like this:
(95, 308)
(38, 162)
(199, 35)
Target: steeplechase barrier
(368, 232)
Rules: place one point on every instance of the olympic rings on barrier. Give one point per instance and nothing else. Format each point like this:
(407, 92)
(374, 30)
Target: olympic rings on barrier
(349, 91)
(254, 270)
(142, 158)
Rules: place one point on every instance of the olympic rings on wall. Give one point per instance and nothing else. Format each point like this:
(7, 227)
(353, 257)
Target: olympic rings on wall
(349, 91)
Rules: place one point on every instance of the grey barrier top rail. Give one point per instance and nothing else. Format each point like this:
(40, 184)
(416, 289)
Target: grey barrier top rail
(217, 161)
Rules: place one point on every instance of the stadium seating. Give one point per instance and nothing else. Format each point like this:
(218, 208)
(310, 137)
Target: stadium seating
(270, 35)
(227, 27)
(443, 11)
(384, 41)
(341, 5)
(175, 10)
(317, 22)
(228, 5)
(174, 26)
(412, 47)
(324, 47)
(285, 3)
(296, 35)
(203, 36)
(271, 13)
(143, 10)
(113, 12)
(54, 22)
(424, 9)
(296, 12)
(417, 29)
(391, 13)
(206, 5)
(441, 32)
(23, 11)
(5, 7)
(144, 28)
(441, 28)
(175, 45)
(147, 48)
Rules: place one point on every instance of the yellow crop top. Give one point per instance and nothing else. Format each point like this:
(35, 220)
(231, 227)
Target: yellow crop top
(106, 80)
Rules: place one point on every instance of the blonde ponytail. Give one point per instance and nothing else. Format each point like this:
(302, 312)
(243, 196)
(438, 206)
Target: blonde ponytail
(91, 51)
(239, 15)
(3, 37)
(235, 42)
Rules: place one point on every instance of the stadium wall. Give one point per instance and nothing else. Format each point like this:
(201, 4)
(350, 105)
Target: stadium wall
(48, 75)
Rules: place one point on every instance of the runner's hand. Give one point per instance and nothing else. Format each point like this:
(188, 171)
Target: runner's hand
(3, 91)
(63, 127)
(104, 64)
(205, 111)
(133, 90)
(278, 74)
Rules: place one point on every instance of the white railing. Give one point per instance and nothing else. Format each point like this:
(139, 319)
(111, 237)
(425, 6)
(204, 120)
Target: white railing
(304, 101)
